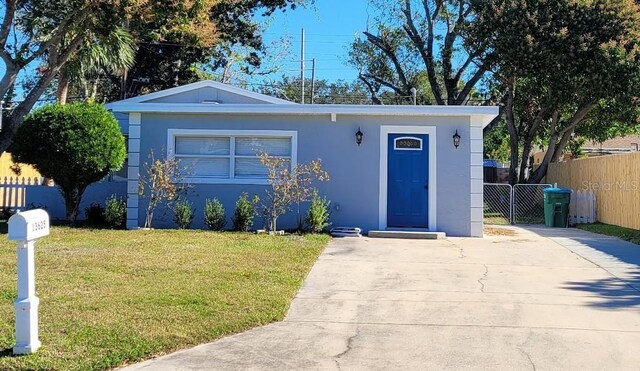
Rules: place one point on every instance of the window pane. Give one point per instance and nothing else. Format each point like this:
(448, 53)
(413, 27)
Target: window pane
(250, 168)
(202, 146)
(246, 146)
(206, 167)
(253, 168)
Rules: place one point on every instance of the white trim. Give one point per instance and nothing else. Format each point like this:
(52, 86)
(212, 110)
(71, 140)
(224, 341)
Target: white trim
(200, 85)
(485, 114)
(133, 170)
(384, 161)
(395, 144)
(476, 215)
(172, 133)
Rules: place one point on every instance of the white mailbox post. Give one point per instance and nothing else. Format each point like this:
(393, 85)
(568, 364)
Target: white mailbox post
(25, 227)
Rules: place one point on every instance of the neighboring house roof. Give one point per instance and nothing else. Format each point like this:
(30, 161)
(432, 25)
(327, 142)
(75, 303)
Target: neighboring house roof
(620, 144)
(209, 92)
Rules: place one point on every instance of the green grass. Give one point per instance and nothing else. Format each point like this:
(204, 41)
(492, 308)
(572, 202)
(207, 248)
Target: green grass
(109, 298)
(627, 234)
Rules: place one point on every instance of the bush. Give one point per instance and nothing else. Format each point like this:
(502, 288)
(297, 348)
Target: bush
(183, 214)
(94, 214)
(214, 214)
(318, 214)
(75, 144)
(6, 213)
(245, 212)
(115, 212)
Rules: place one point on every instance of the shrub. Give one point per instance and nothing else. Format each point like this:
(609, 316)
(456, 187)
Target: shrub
(245, 212)
(75, 144)
(94, 214)
(318, 214)
(115, 212)
(6, 213)
(214, 214)
(183, 214)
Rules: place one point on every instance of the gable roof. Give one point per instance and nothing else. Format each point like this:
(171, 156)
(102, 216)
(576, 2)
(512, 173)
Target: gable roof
(199, 85)
(625, 143)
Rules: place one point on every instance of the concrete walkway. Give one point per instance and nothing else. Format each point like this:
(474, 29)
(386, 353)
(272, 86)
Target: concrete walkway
(528, 301)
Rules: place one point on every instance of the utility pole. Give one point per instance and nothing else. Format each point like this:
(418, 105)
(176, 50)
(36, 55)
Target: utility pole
(313, 79)
(302, 68)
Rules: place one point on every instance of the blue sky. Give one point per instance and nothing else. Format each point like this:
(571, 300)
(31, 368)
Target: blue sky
(330, 26)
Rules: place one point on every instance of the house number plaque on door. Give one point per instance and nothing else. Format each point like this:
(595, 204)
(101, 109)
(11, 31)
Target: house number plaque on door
(408, 143)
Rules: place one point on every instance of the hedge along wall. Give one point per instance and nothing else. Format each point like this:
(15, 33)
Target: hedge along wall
(51, 199)
(614, 179)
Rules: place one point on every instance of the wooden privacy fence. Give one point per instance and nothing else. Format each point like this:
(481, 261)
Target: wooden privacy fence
(614, 181)
(582, 208)
(13, 190)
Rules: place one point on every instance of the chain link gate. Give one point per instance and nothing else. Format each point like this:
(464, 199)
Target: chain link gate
(498, 201)
(528, 203)
(520, 204)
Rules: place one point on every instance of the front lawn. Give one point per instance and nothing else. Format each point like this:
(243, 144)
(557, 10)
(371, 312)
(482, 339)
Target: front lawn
(627, 234)
(108, 298)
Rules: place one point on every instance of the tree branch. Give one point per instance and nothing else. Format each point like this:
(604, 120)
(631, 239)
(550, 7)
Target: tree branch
(372, 90)
(383, 82)
(468, 86)
(577, 118)
(424, 48)
(7, 20)
(58, 34)
(386, 49)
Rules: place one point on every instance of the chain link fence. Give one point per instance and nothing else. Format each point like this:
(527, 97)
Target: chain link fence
(520, 204)
(528, 203)
(498, 199)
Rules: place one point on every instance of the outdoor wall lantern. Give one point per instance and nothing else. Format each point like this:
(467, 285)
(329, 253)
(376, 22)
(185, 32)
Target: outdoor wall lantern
(359, 136)
(456, 139)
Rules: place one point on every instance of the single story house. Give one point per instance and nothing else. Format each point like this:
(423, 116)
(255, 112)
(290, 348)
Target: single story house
(415, 167)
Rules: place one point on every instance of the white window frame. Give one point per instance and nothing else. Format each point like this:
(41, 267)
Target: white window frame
(171, 143)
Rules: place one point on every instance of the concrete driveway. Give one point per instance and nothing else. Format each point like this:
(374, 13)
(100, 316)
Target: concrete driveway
(524, 301)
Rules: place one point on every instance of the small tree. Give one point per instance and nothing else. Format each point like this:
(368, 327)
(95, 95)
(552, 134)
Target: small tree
(183, 214)
(76, 145)
(214, 216)
(288, 186)
(161, 181)
(244, 213)
(115, 211)
(318, 214)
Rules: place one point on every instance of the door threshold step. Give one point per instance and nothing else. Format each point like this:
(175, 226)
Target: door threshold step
(408, 234)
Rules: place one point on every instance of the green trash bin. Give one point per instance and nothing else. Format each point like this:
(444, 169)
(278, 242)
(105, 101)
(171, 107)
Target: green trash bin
(556, 207)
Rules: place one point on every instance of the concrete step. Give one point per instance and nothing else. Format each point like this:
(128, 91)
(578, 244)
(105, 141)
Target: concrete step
(412, 235)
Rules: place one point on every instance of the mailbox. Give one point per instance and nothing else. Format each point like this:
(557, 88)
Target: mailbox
(25, 228)
(28, 225)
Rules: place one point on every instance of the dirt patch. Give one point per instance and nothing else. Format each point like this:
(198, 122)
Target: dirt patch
(494, 231)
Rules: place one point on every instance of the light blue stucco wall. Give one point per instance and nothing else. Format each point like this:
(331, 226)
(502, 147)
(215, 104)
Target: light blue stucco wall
(354, 170)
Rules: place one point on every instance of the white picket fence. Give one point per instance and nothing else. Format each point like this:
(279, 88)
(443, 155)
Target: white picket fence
(582, 209)
(13, 190)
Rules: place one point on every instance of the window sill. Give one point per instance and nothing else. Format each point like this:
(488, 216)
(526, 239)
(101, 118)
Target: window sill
(195, 180)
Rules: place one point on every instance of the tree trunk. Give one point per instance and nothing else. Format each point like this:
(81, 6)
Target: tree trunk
(149, 215)
(72, 197)
(63, 88)
(513, 134)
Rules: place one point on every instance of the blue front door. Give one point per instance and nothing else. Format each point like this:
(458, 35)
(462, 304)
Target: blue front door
(408, 180)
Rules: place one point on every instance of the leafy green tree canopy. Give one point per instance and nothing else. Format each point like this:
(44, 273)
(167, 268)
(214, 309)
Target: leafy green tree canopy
(76, 145)
(564, 66)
